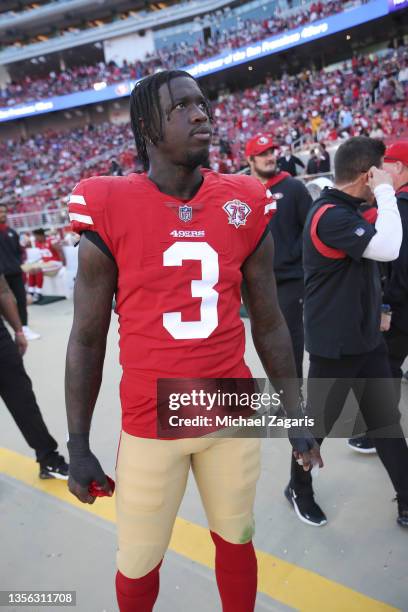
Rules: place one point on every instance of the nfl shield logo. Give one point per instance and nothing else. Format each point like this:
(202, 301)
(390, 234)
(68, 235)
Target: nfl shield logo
(185, 213)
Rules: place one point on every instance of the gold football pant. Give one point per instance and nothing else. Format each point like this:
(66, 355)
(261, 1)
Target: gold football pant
(151, 477)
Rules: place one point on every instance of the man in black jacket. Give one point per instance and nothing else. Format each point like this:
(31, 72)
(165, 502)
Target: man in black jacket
(11, 255)
(325, 164)
(287, 162)
(343, 312)
(16, 390)
(292, 202)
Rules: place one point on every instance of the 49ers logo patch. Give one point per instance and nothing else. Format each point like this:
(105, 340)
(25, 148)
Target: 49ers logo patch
(237, 212)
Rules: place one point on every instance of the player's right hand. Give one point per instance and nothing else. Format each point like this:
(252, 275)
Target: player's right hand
(378, 177)
(83, 470)
(21, 342)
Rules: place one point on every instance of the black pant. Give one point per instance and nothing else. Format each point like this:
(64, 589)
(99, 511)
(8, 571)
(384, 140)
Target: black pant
(369, 377)
(397, 343)
(17, 393)
(290, 297)
(16, 284)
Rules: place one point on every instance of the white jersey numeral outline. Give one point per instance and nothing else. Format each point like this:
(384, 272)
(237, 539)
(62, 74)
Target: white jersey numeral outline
(202, 288)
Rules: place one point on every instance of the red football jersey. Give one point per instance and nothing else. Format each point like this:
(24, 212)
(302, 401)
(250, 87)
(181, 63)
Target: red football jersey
(47, 250)
(179, 277)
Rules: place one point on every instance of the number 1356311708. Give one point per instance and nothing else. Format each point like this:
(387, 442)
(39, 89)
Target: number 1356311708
(38, 598)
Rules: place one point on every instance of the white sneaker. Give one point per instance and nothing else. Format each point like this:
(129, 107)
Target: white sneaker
(30, 334)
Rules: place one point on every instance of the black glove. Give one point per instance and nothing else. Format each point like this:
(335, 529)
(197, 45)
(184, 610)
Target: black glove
(84, 467)
(301, 439)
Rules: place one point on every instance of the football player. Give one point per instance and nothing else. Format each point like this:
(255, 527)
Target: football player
(174, 245)
(51, 260)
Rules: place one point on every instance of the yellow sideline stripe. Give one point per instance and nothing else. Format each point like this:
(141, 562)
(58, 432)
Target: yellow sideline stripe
(290, 584)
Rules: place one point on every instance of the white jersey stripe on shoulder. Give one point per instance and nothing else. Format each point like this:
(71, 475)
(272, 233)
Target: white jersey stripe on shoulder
(77, 199)
(269, 207)
(81, 218)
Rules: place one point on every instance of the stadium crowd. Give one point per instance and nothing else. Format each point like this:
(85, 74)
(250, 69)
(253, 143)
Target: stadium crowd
(82, 78)
(45, 166)
(366, 97)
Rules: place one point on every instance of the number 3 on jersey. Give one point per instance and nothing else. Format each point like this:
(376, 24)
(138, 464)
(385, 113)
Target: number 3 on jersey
(203, 288)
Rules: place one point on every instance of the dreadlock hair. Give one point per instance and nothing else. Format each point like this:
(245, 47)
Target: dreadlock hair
(146, 117)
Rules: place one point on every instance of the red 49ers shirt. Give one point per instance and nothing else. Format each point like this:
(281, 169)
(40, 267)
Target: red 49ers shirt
(179, 277)
(47, 250)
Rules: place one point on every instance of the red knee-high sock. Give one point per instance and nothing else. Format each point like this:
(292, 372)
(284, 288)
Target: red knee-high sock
(39, 279)
(236, 572)
(137, 594)
(36, 279)
(32, 280)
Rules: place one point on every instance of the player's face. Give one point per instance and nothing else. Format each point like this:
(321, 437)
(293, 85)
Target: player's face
(186, 125)
(264, 165)
(3, 214)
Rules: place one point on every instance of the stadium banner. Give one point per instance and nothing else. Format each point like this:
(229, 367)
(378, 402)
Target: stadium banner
(102, 92)
(292, 38)
(396, 5)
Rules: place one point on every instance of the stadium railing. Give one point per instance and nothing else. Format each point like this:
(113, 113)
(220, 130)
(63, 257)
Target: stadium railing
(26, 222)
(126, 26)
(33, 12)
(306, 178)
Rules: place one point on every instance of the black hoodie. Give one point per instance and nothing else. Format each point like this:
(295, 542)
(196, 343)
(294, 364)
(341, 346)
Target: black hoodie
(396, 285)
(293, 202)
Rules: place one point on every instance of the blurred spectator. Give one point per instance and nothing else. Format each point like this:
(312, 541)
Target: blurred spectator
(377, 131)
(319, 161)
(50, 260)
(315, 122)
(345, 119)
(115, 168)
(325, 164)
(403, 73)
(313, 162)
(288, 162)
